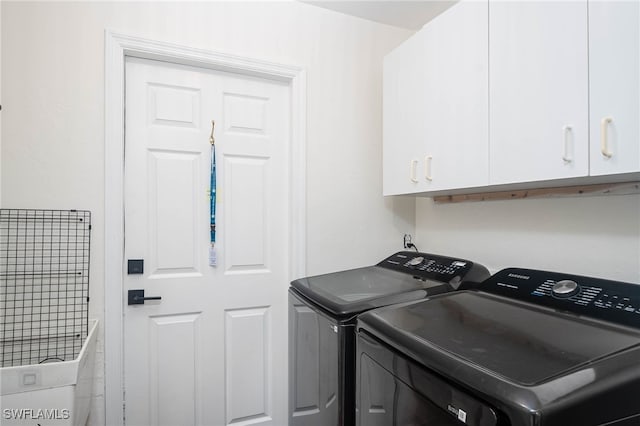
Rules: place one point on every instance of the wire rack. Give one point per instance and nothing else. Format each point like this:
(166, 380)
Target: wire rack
(44, 285)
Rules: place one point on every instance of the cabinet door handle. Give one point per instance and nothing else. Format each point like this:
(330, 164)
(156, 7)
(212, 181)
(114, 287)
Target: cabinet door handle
(604, 143)
(412, 171)
(567, 132)
(427, 167)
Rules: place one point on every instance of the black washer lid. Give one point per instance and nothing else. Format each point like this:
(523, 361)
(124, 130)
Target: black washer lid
(351, 292)
(514, 340)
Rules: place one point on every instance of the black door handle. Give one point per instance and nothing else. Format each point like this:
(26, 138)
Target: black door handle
(136, 297)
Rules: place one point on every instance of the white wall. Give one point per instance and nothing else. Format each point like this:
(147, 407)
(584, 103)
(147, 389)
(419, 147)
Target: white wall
(595, 236)
(0, 104)
(53, 108)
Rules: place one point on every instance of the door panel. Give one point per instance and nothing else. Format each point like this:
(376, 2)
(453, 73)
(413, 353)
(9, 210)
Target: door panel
(247, 377)
(172, 188)
(206, 353)
(246, 209)
(538, 90)
(614, 86)
(174, 105)
(246, 114)
(454, 145)
(403, 114)
(174, 367)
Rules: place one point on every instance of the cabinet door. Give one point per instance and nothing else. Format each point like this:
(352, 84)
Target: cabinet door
(454, 143)
(435, 105)
(402, 109)
(614, 86)
(538, 90)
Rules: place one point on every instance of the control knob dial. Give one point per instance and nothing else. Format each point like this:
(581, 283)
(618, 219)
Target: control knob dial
(416, 261)
(565, 288)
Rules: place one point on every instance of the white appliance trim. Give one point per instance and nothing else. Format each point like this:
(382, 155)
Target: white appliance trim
(117, 47)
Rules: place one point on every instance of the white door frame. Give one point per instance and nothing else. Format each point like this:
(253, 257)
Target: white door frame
(117, 47)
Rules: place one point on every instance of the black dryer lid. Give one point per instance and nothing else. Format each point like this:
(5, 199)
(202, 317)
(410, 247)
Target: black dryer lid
(348, 293)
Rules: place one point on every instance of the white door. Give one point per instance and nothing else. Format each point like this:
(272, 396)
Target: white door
(213, 350)
(538, 90)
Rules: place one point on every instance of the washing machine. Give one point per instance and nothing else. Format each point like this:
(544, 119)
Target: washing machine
(524, 348)
(322, 316)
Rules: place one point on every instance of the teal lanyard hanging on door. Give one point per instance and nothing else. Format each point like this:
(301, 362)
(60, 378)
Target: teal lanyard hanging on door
(212, 199)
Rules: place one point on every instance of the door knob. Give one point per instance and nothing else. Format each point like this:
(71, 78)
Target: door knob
(136, 297)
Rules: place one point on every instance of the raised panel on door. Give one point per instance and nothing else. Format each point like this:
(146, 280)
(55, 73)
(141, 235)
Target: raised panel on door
(247, 214)
(538, 90)
(247, 374)
(614, 86)
(454, 143)
(403, 117)
(173, 105)
(174, 369)
(173, 183)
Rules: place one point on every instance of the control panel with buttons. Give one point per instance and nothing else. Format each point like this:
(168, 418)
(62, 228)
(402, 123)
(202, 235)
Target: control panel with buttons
(427, 266)
(587, 296)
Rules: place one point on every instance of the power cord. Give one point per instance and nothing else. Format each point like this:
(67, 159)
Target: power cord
(408, 244)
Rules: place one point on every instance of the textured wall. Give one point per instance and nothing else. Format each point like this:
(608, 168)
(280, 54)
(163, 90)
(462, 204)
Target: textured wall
(597, 236)
(53, 114)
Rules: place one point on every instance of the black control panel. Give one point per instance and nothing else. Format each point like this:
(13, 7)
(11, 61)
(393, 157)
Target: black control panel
(607, 300)
(433, 267)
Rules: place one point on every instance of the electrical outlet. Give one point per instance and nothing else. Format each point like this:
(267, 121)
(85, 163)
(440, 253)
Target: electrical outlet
(407, 241)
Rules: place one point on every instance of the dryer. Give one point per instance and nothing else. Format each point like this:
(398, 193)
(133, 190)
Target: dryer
(322, 316)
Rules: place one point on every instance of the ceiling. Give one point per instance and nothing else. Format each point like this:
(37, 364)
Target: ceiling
(411, 14)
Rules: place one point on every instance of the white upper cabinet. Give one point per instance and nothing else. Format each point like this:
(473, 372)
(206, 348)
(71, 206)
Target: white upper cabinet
(455, 142)
(503, 92)
(402, 109)
(538, 91)
(614, 86)
(435, 105)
